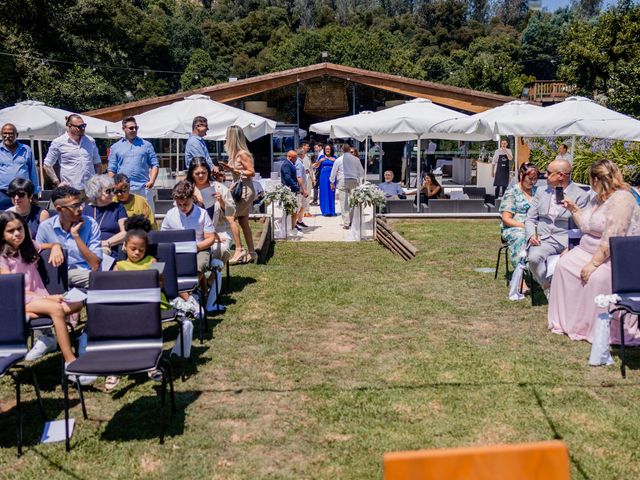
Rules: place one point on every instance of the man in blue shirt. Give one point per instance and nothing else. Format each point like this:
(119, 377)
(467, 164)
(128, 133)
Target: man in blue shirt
(196, 146)
(136, 158)
(16, 161)
(78, 234)
(390, 188)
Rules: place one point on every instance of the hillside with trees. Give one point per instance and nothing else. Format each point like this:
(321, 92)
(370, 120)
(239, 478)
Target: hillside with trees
(85, 54)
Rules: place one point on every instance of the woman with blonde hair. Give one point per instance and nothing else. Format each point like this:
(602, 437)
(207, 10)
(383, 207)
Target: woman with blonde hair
(241, 166)
(585, 271)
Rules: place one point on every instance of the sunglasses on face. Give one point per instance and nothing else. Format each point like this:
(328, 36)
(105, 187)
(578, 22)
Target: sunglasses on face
(75, 206)
(132, 129)
(121, 191)
(109, 191)
(82, 126)
(20, 194)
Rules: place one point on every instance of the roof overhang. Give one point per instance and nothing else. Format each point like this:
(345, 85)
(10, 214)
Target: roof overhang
(455, 97)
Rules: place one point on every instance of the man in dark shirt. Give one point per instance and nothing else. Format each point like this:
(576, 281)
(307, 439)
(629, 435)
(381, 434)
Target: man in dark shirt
(289, 178)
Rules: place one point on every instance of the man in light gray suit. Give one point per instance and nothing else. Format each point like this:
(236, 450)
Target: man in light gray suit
(547, 223)
(346, 174)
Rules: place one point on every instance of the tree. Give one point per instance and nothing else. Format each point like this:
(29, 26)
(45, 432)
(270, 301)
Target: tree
(544, 34)
(200, 72)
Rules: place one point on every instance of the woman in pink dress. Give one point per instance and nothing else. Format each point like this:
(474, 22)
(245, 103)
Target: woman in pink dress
(585, 271)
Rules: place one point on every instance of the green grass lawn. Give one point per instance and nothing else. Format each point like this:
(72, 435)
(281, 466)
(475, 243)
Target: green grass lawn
(334, 353)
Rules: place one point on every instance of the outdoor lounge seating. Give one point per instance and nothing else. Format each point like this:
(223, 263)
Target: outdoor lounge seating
(400, 206)
(456, 206)
(625, 282)
(124, 334)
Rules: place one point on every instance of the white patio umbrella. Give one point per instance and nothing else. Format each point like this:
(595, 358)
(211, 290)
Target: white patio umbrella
(37, 121)
(576, 116)
(174, 120)
(411, 120)
(484, 123)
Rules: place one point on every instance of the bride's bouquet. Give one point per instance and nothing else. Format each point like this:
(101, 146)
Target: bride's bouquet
(284, 196)
(365, 195)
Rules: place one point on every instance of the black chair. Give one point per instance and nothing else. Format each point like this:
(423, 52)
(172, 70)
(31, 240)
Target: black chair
(475, 193)
(164, 194)
(124, 334)
(400, 206)
(56, 281)
(442, 205)
(13, 341)
(186, 265)
(503, 247)
(625, 282)
(163, 206)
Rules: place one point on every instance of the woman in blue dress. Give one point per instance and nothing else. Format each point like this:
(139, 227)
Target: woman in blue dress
(327, 196)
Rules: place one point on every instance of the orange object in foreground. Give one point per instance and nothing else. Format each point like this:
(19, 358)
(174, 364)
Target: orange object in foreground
(523, 461)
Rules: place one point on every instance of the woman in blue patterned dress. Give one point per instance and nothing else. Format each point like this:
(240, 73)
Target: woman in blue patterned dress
(513, 210)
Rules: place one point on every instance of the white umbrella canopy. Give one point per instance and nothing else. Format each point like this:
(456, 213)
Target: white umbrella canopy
(174, 120)
(324, 128)
(576, 116)
(484, 123)
(37, 121)
(407, 121)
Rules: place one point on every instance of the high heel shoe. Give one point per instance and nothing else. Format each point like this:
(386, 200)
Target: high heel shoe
(239, 259)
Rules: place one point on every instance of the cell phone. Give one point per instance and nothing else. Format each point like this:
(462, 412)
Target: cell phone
(559, 195)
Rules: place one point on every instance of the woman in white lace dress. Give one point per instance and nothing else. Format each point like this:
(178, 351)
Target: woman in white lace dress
(585, 271)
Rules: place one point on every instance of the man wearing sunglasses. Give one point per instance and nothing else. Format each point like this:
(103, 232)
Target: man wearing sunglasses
(135, 158)
(16, 161)
(77, 153)
(74, 232)
(196, 145)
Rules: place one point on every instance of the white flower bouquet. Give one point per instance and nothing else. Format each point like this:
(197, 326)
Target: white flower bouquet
(365, 195)
(284, 196)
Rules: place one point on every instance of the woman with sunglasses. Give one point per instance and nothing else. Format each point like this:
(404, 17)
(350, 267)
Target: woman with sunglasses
(109, 215)
(21, 193)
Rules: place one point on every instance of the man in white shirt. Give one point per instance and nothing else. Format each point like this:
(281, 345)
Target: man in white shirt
(186, 215)
(563, 153)
(77, 153)
(346, 174)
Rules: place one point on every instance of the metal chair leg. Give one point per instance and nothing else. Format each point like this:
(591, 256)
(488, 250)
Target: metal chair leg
(622, 352)
(16, 381)
(81, 395)
(228, 279)
(163, 392)
(495, 275)
(65, 389)
(36, 386)
(171, 391)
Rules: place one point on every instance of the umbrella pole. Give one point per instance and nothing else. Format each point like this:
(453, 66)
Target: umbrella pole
(417, 177)
(40, 163)
(366, 157)
(177, 156)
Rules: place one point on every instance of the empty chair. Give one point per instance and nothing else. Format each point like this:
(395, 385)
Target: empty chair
(124, 334)
(442, 206)
(164, 194)
(13, 340)
(471, 206)
(474, 193)
(625, 282)
(400, 206)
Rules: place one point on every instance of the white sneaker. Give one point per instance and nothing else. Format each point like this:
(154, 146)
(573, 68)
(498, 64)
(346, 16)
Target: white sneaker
(84, 379)
(296, 233)
(42, 346)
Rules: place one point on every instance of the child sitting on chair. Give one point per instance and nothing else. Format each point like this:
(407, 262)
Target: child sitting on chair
(18, 254)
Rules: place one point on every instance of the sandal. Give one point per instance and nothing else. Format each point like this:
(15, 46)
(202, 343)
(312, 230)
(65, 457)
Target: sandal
(239, 259)
(155, 375)
(253, 257)
(111, 382)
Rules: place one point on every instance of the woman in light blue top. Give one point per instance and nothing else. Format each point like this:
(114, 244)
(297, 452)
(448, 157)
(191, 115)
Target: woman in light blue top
(513, 211)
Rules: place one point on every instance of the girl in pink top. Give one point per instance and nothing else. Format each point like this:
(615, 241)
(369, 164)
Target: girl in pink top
(19, 255)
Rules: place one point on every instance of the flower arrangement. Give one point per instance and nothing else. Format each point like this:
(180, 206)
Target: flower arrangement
(367, 194)
(284, 196)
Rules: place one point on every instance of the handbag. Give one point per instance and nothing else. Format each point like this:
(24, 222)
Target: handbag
(600, 352)
(236, 190)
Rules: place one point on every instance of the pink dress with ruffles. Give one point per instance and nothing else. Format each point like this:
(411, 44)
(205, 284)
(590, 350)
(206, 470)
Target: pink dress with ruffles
(572, 310)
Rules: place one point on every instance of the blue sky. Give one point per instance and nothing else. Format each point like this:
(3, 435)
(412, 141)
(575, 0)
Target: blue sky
(552, 5)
